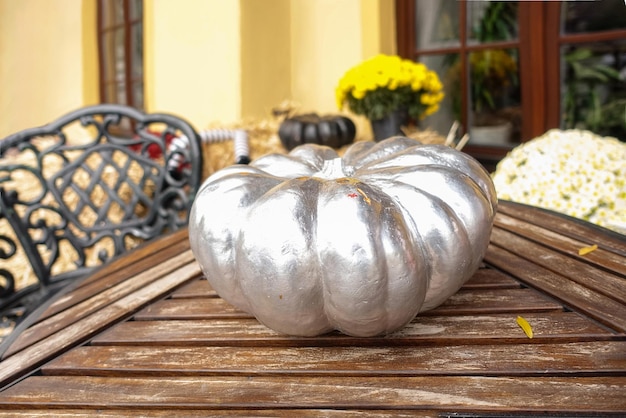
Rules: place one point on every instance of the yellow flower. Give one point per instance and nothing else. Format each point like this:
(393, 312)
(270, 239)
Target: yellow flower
(430, 99)
(358, 94)
(383, 83)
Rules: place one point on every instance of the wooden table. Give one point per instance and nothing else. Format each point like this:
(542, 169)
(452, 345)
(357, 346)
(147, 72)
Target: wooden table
(146, 335)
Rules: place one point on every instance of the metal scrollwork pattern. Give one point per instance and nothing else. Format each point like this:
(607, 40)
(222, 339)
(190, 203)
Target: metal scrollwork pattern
(89, 186)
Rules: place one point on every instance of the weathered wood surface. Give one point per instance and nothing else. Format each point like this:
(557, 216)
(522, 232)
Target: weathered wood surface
(147, 336)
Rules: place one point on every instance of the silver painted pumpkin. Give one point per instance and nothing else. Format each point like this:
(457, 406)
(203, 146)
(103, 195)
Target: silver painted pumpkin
(309, 242)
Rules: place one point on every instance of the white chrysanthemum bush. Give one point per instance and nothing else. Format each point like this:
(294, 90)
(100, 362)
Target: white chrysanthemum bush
(574, 172)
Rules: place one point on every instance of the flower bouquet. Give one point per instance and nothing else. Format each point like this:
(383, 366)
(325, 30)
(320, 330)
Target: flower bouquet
(492, 71)
(574, 172)
(385, 83)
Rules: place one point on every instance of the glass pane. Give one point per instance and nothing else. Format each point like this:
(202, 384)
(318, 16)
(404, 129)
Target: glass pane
(436, 23)
(491, 21)
(136, 49)
(136, 9)
(120, 63)
(119, 11)
(593, 93)
(448, 69)
(495, 95)
(592, 16)
(121, 93)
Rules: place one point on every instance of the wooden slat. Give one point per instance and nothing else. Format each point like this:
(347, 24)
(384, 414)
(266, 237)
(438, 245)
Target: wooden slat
(598, 306)
(469, 329)
(124, 268)
(29, 358)
(601, 258)
(89, 412)
(147, 249)
(96, 303)
(194, 308)
(574, 359)
(603, 282)
(119, 271)
(494, 301)
(488, 278)
(464, 302)
(197, 288)
(566, 226)
(463, 393)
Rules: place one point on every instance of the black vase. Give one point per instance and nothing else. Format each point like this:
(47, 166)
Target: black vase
(390, 125)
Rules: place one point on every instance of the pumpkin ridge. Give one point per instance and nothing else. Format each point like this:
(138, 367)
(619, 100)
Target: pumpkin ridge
(385, 149)
(457, 228)
(274, 286)
(437, 155)
(216, 212)
(391, 242)
(400, 172)
(284, 166)
(435, 296)
(465, 196)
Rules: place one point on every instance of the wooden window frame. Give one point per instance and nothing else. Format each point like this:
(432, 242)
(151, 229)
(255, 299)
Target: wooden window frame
(129, 81)
(405, 15)
(554, 40)
(539, 38)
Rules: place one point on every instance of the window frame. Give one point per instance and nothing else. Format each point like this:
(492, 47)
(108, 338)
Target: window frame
(539, 43)
(129, 81)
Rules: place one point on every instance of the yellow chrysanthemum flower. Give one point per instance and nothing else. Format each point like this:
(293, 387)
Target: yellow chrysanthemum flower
(381, 84)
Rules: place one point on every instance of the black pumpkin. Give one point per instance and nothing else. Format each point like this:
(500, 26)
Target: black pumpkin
(331, 130)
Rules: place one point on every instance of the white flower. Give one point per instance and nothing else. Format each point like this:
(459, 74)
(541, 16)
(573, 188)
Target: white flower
(574, 172)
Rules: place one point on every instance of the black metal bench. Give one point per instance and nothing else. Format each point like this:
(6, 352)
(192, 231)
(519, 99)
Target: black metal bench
(86, 188)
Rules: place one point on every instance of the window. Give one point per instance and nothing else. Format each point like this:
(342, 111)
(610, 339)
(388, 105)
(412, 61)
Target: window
(589, 40)
(120, 33)
(512, 70)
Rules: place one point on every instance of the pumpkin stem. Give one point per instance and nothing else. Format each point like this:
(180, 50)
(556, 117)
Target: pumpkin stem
(334, 169)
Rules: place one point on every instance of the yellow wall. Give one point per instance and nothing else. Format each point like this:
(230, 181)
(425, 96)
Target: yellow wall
(210, 61)
(326, 40)
(378, 23)
(90, 70)
(42, 58)
(192, 59)
(245, 57)
(265, 55)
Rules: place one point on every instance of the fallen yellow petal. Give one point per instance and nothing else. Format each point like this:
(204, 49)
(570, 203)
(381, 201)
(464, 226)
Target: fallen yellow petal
(587, 250)
(525, 326)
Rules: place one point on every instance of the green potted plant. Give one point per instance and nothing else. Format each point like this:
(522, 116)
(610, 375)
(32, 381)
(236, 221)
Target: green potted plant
(493, 74)
(387, 88)
(589, 100)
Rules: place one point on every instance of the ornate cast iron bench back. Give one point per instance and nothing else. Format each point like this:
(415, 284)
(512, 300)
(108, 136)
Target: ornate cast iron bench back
(85, 188)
